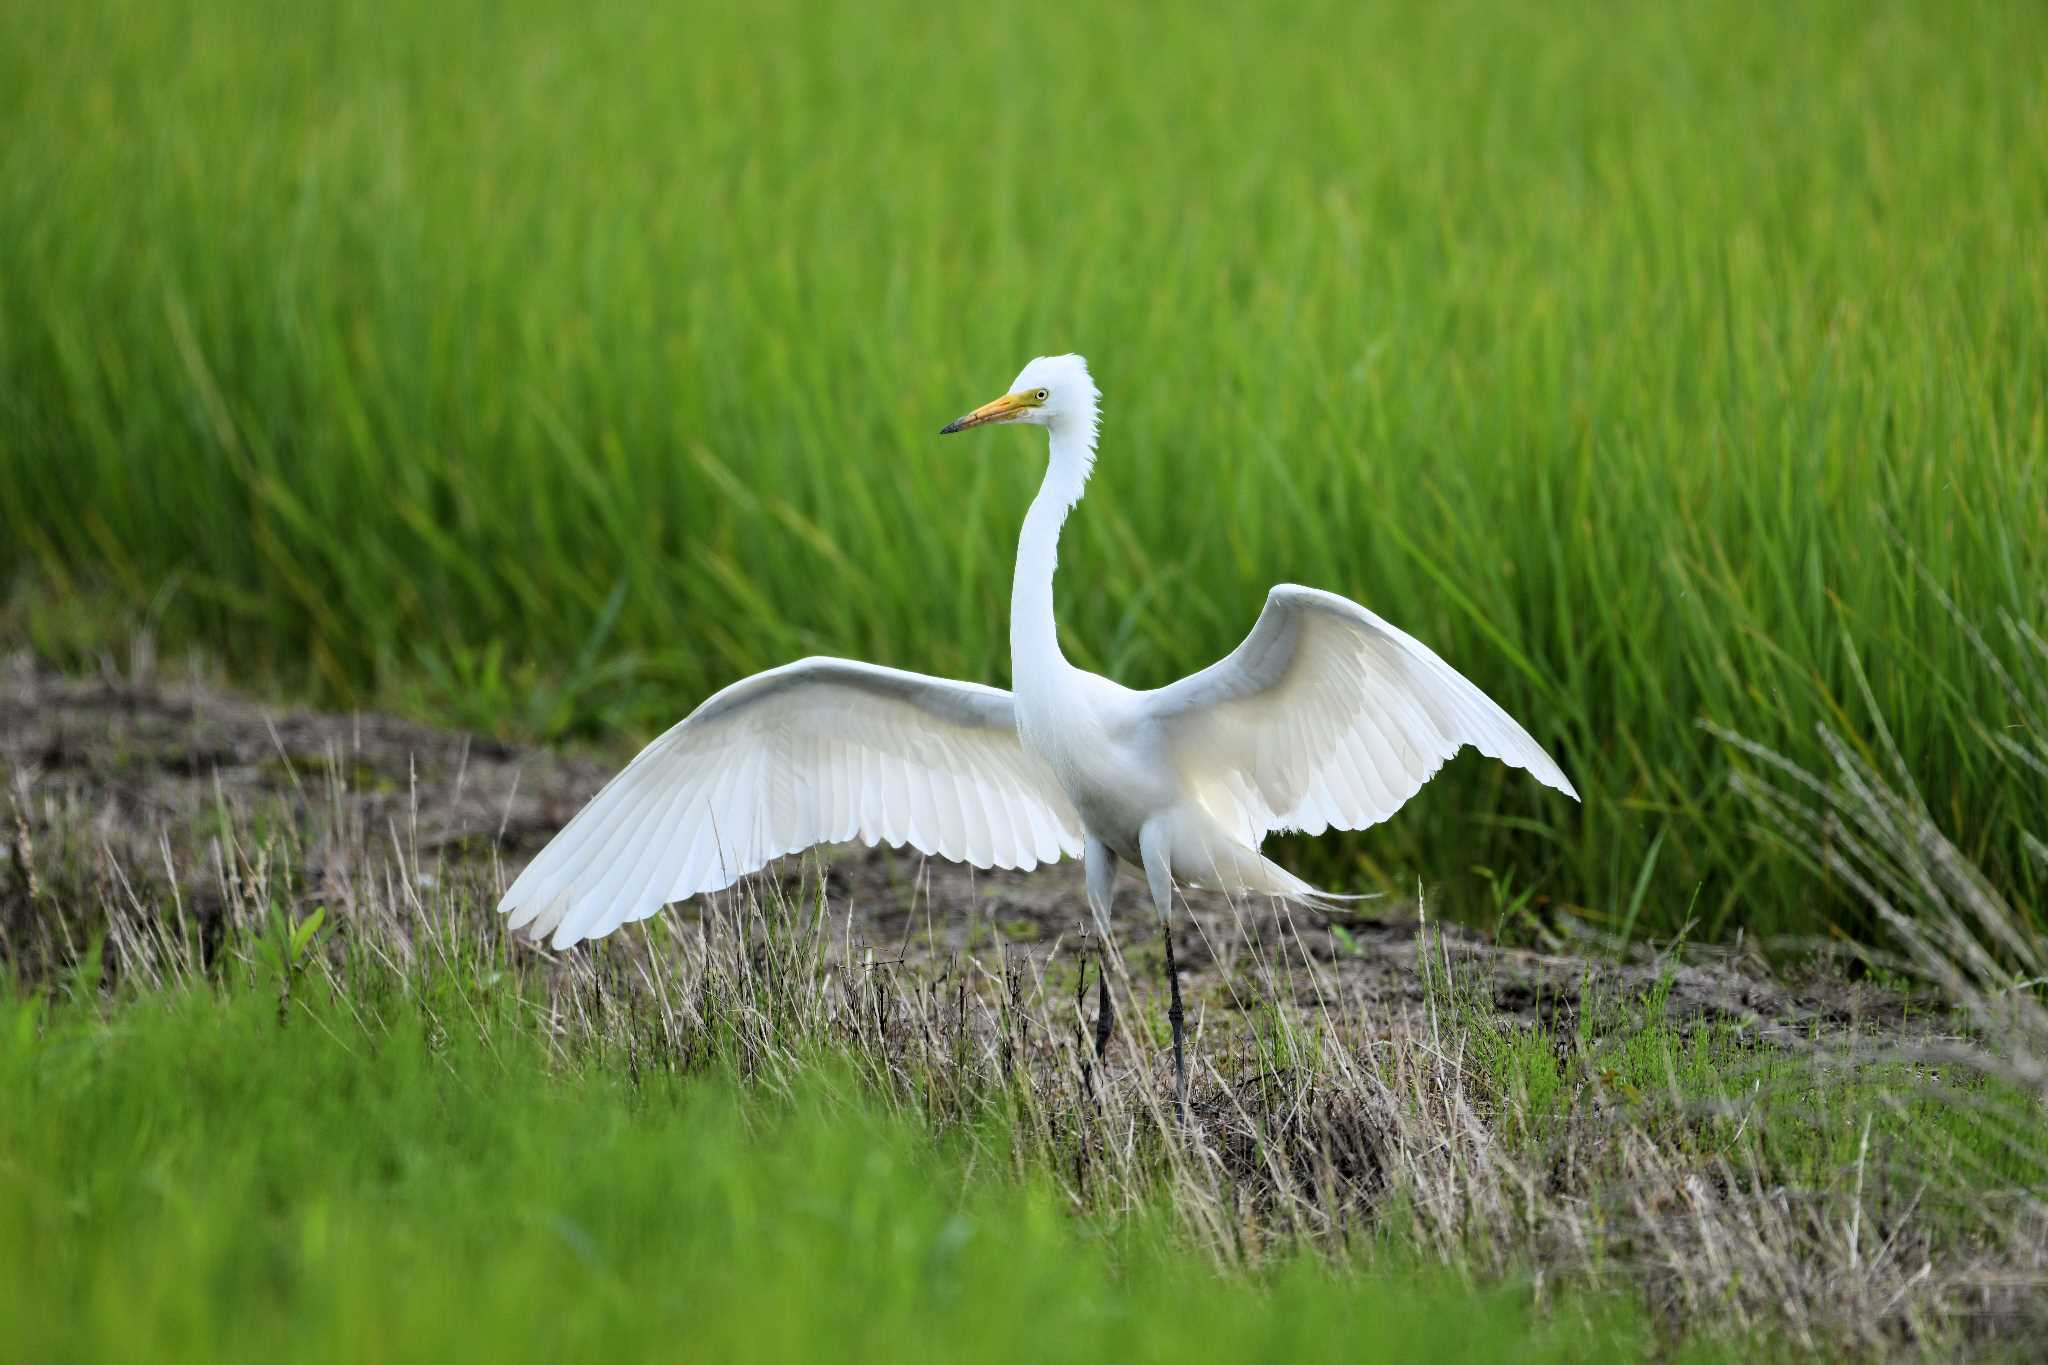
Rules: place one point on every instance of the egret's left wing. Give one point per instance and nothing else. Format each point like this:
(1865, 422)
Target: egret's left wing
(819, 751)
(1328, 716)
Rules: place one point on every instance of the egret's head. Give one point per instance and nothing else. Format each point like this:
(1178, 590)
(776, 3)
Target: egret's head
(1052, 391)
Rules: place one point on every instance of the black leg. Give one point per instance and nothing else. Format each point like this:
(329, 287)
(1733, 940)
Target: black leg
(1176, 1016)
(1105, 1016)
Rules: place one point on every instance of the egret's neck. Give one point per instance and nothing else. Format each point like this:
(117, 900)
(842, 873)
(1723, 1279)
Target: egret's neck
(1036, 663)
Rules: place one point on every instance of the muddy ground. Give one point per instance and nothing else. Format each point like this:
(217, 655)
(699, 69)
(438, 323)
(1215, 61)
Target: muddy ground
(135, 775)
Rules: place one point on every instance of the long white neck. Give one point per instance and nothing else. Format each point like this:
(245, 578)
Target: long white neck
(1036, 664)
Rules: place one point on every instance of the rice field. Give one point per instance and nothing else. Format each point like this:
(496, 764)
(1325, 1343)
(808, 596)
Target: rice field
(531, 370)
(544, 367)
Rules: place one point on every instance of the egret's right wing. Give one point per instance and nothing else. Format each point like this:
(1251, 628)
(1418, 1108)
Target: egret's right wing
(1327, 716)
(819, 751)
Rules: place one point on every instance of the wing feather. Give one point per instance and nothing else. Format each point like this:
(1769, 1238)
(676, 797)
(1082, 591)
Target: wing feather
(625, 886)
(1328, 716)
(819, 751)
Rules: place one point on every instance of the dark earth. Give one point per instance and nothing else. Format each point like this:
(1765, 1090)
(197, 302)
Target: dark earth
(133, 778)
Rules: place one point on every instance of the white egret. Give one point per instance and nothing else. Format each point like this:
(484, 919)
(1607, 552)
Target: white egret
(1325, 716)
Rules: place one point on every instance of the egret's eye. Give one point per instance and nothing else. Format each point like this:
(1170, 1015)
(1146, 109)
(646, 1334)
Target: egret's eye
(1041, 395)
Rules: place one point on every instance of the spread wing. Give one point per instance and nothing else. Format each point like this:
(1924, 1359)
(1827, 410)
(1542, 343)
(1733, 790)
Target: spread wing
(819, 751)
(1328, 716)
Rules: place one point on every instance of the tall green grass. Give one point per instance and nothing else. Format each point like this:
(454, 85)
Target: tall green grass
(190, 1178)
(546, 366)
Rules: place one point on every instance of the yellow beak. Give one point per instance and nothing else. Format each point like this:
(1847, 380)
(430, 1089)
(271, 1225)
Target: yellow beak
(1008, 408)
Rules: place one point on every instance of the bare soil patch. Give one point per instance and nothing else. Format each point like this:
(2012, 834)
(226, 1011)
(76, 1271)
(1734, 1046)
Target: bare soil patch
(139, 774)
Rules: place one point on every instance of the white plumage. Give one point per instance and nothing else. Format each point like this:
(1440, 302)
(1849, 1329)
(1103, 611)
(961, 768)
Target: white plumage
(1326, 717)
(819, 751)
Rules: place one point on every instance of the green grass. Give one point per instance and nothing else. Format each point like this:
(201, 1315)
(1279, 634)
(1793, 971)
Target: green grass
(546, 366)
(1724, 1090)
(317, 1103)
(185, 1177)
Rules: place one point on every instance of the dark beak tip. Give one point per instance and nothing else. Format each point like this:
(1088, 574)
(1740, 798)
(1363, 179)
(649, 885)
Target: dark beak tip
(949, 428)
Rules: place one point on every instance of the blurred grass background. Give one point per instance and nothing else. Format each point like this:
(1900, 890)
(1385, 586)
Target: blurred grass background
(542, 367)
